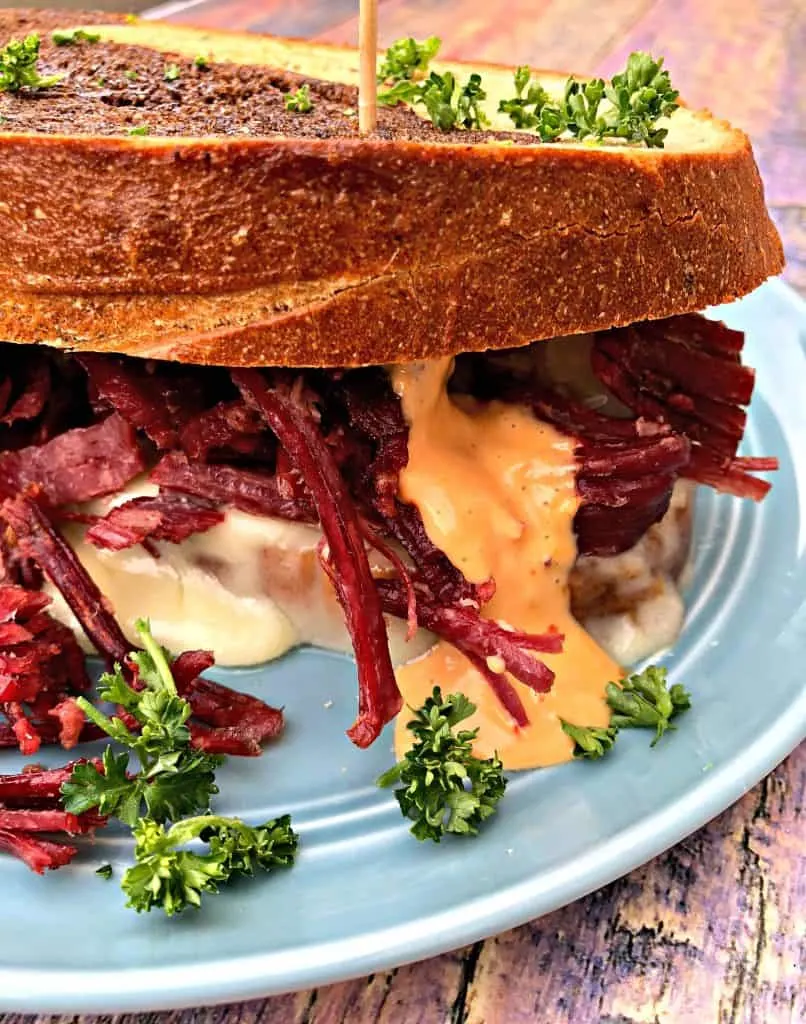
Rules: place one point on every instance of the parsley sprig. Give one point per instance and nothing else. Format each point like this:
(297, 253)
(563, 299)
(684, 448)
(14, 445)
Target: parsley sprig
(173, 780)
(449, 105)
(645, 701)
(299, 102)
(642, 701)
(407, 59)
(174, 783)
(70, 37)
(18, 66)
(591, 742)
(627, 107)
(443, 787)
(168, 876)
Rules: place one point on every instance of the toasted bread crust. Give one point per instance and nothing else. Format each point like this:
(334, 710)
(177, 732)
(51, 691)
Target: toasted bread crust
(327, 252)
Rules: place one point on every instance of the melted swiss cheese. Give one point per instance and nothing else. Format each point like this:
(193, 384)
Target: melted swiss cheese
(496, 490)
(249, 589)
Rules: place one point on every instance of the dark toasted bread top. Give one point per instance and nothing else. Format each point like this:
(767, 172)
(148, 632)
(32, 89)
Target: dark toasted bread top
(108, 89)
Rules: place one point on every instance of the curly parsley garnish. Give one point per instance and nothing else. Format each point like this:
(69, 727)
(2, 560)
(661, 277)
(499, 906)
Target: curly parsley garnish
(174, 779)
(18, 69)
(627, 107)
(174, 783)
(443, 787)
(73, 36)
(169, 877)
(449, 105)
(407, 59)
(299, 102)
(642, 701)
(530, 99)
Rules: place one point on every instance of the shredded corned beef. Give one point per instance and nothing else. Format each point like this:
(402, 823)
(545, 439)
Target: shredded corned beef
(81, 464)
(154, 398)
(81, 427)
(259, 493)
(474, 635)
(32, 392)
(39, 540)
(167, 517)
(684, 381)
(373, 409)
(224, 721)
(39, 854)
(221, 710)
(31, 803)
(41, 668)
(378, 697)
(686, 371)
(229, 429)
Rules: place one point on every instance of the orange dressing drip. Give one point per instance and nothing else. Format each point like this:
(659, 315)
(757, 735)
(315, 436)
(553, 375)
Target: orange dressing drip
(496, 490)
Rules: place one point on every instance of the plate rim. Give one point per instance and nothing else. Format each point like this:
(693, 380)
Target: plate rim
(223, 980)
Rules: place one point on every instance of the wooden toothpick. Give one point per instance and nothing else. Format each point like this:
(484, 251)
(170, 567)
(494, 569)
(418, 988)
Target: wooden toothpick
(368, 48)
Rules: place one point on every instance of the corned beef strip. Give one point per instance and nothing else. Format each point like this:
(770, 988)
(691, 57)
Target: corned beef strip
(229, 721)
(39, 854)
(224, 720)
(17, 603)
(80, 464)
(476, 636)
(39, 540)
(374, 409)
(260, 494)
(445, 581)
(36, 806)
(41, 666)
(378, 697)
(167, 517)
(50, 820)
(229, 428)
(152, 397)
(686, 371)
(31, 393)
(37, 785)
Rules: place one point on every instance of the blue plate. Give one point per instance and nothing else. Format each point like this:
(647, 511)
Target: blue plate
(365, 895)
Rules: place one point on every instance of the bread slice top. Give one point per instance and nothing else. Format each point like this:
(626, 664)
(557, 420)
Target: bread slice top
(235, 232)
(146, 73)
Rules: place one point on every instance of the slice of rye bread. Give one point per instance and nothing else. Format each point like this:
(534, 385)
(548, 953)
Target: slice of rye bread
(237, 233)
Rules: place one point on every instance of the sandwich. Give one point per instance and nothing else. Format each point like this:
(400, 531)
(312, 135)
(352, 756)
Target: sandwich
(441, 395)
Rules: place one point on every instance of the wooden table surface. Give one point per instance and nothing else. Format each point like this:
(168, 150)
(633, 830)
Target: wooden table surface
(715, 929)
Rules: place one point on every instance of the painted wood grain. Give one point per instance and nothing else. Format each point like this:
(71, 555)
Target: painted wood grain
(713, 931)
